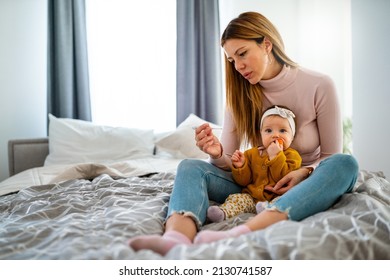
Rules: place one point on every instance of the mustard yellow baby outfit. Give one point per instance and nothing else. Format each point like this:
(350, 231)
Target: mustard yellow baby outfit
(258, 172)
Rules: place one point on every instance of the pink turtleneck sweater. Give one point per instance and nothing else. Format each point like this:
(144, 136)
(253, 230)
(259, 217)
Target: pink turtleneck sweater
(313, 99)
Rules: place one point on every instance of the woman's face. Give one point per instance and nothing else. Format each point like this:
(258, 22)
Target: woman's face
(275, 127)
(249, 58)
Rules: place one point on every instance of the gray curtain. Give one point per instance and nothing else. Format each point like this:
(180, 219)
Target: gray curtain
(199, 78)
(68, 78)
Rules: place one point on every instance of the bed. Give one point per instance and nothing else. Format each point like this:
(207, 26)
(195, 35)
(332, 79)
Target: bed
(81, 193)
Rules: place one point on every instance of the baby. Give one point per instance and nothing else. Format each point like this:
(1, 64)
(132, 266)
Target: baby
(261, 166)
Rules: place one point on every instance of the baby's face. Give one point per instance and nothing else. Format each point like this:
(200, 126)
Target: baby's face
(276, 128)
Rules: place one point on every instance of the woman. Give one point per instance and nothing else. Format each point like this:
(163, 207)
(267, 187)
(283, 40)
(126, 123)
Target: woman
(259, 74)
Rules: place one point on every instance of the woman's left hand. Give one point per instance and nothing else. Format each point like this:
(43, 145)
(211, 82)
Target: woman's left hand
(287, 182)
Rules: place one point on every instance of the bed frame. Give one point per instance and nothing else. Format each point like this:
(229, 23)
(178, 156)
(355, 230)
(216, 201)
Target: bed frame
(24, 154)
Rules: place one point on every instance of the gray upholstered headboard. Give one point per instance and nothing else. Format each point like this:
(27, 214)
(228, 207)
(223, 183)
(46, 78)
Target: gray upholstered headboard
(26, 153)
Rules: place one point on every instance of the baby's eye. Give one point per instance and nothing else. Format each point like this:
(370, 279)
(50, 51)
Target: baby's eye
(283, 130)
(268, 130)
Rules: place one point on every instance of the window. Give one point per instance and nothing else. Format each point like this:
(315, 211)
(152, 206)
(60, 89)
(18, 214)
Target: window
(132, 62)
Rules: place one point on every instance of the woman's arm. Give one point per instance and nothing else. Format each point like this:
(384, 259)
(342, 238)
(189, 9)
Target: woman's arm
(329, 120)
(229, 143)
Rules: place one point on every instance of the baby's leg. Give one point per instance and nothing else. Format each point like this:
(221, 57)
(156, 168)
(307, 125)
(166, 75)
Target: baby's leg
(234, 205)
(238, 203)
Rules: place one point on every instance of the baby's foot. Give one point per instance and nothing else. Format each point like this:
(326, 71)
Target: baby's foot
(215, 214)
(260, 206)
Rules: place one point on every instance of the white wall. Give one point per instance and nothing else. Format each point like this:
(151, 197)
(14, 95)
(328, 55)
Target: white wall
(23, 29)
(371, 84)
(316, 34)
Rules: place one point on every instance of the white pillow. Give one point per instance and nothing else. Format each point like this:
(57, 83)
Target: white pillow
(76, 141)
(181, 142)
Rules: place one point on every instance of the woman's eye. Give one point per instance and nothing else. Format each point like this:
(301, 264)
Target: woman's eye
(242, 54)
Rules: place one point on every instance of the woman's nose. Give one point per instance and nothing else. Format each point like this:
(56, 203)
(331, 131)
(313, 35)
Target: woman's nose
(239, 65)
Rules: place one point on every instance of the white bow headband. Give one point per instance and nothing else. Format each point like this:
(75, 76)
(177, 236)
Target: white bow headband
(284, 113)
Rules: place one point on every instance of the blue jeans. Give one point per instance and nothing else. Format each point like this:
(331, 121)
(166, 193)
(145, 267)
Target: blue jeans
(198, 181)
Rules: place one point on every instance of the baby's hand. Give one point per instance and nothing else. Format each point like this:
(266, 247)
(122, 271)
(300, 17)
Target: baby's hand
(238, 159)
(274, 148)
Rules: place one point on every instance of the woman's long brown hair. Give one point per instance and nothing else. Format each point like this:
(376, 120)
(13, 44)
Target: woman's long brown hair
(242, 98)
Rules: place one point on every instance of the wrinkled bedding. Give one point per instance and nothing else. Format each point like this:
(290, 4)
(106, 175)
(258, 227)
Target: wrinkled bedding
(57, 173)
(93, 217)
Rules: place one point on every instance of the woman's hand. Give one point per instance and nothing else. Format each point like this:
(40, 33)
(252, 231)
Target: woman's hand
(207, 141)
(288, 181)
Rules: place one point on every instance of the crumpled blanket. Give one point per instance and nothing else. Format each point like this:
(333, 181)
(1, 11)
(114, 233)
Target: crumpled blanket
(94, 218)
(58, 173)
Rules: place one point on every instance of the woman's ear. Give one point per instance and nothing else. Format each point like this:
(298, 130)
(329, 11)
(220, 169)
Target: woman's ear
(267, 45)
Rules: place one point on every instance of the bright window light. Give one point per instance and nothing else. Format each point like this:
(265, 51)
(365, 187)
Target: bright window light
(132, 62)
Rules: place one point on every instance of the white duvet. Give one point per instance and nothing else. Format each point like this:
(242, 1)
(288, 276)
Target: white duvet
(58, 173)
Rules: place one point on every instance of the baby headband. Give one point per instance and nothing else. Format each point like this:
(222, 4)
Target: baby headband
(284, 113)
